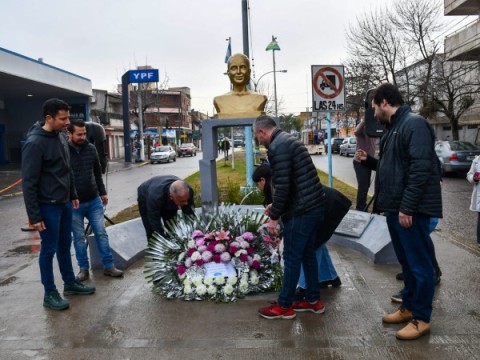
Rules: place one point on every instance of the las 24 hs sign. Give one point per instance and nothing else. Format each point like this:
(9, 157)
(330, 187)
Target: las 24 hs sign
(328, 88)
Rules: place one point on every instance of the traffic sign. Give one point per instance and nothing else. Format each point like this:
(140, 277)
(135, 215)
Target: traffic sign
(142, 76)
(328, 88)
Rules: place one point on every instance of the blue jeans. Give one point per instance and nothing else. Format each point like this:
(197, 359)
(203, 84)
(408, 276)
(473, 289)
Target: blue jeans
(326, 270)
(413, 249)
(56, 239)
(299, 237)
(93, 211)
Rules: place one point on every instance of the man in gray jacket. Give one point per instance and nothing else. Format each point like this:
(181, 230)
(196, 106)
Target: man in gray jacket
(49, 195)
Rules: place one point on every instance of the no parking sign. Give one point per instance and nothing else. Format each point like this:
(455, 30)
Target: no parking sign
(328, 88)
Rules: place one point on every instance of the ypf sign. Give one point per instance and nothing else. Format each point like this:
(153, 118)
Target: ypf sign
(328, 88)
(143, 76)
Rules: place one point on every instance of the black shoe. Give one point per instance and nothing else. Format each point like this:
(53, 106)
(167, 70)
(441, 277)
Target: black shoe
(399, 276)
(299, 294)
(397, 298)
(53, 300)
(333, 283)
(77, 288)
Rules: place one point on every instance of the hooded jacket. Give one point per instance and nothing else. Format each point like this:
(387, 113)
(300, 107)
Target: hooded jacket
(295, 179)
(46, 172)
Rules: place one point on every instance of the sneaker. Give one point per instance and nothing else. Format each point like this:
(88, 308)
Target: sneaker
(275, 311)
(53, 300)
(299, 294)
(402, 315)
(82, 275)
(77, 288)
(333, 283)
(397, 298)
(414, 329)
(113, 272)
(399, 276)
(317, 307)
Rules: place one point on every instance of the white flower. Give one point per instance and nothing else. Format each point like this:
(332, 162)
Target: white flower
(181, 256)
(244, 277)
(212, 290)
(187, 289)
(253, 272)
(208, 281)
(257, 257)
(187, 282)
(191, 244)
(197, 281)
(243, 286)
(254, 279)
(232, 280)
(196, 256)
(188, 262)
(228, 289)
(219, 280)
(201, 289)
(181, 277)
(240, 252)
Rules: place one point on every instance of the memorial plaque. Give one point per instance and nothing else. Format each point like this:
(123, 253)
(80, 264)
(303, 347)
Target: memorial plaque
(354, 223)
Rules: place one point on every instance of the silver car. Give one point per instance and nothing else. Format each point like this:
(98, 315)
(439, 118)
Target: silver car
(163, 154)
(348, 146)
(455, 155)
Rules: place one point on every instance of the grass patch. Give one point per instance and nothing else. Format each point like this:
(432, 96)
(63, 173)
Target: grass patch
(229, 182)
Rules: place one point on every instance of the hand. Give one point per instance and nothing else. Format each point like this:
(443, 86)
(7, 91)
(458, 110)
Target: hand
(104, 199)
(273, 226)
(404, 220)
(267, 209)
(40, 226)
(75, 204)
(361, 155)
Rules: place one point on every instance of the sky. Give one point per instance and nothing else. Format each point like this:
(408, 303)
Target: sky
(184, 39)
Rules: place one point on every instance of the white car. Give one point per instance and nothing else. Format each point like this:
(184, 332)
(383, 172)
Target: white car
(163, 154)
(348, 146)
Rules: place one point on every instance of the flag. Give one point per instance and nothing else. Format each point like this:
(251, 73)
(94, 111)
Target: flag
(229, 50)
(273, 45)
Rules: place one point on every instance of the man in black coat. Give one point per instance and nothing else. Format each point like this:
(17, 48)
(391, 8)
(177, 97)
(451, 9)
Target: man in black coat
(407, 190)
(159, 199)
(92, 194)
(299, 201)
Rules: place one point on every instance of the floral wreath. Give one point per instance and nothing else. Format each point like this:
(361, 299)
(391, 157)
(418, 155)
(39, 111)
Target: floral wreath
(219, 256)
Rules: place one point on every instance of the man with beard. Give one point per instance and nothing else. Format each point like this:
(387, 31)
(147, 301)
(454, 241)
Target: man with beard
(91, 191)
(407, 190)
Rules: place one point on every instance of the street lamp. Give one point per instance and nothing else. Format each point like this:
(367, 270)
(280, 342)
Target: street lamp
(255, 83)
(274, 47)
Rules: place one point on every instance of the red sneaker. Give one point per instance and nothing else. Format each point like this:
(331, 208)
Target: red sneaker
(316, 307)
(275, 311)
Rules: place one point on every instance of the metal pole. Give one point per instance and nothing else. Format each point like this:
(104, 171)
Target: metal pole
(140, 124)
(275, 84)
(329, 137)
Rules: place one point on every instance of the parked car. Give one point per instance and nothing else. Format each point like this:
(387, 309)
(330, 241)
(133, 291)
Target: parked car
(187, 149)
(163, 154)
(336, 142)
(456, 156)
(348, 146)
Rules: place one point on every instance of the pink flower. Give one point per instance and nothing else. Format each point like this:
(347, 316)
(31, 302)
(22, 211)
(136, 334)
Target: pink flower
(243, 257)
(220, 248)
(181, 269)
(200, 241)
(267, 239)
(211, 247)
(222, 235)
(255, 264)
(216, 258)
(207, 256)
(199, 262)
(248, 236)
(210, 235)
(232, 249)
(250, 250)
(202, 248)
(190, 251)
(225, 257)
(197, 233)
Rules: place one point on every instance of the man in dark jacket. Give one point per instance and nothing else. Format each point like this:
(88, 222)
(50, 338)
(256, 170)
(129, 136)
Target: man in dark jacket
(49, 194)
(299, 201)
(91, 192)
(407, 190)
(159, 199)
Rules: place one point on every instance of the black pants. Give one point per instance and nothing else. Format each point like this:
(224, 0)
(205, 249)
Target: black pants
(364, 175)
(142, 209)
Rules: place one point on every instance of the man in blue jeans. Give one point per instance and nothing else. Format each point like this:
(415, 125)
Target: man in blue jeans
(407, 190)
(299, 201)
(92, 195)
(49, 195)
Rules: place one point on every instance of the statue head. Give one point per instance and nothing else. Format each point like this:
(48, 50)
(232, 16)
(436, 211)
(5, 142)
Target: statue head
(239, 70)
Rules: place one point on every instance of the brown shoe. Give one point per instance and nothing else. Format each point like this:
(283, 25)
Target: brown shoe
(113, 272)
(402, 315)
(414, 329)
(82, 275)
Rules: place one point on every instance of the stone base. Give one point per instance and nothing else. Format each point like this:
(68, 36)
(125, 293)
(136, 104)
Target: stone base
(375, 242)
(128, 242)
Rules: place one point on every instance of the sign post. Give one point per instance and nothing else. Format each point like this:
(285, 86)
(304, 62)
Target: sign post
(328, 95)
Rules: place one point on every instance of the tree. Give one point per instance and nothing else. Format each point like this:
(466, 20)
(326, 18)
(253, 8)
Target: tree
(290, 122)
(264, 88)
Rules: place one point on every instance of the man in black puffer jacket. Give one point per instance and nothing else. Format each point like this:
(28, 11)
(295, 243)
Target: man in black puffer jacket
(407, 190)
(299, 201)
(92, 194)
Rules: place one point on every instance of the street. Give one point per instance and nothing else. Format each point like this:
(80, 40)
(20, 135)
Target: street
(18, 248)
